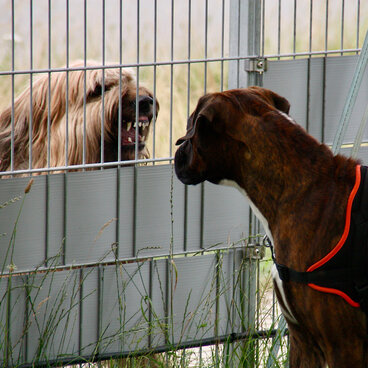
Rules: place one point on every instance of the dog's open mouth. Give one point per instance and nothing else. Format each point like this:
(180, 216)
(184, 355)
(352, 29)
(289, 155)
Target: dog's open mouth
(135, 133)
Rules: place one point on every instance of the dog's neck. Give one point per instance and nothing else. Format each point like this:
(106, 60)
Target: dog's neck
(292, 198)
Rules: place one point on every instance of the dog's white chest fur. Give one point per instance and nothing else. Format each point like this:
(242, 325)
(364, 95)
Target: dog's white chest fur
(275, 275)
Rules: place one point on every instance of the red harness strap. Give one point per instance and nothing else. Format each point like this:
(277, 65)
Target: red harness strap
(339, 245)
(343, 271)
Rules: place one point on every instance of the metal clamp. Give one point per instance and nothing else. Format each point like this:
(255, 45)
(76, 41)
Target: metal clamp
(258, 65)
(254, 251)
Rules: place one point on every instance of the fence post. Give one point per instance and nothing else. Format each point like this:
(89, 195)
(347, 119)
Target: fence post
(245, 45)
(245, 42)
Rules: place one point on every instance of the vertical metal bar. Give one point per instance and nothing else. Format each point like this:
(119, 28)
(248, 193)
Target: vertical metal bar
(134, 240)
(171, 76)
(137, 77)
(189, 54)
(100, 282)
(205, 45)
(240, 2)
(49, 88)
(222, 45)
(67, 87)
(324, 100)
(84, 82)
(309, 61)
(154, 80)
(80, 327)
(279, 30)
(150, 296)
(117, 252)
(294, 30)
(310, 25)
(263, 27)
(12, 87)
(326, 27)
(26, 317)
(103, 85)
(358, 25)
(342, 25)
(30, 131)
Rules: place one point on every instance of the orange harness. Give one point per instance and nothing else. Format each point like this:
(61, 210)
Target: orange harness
(343, 271)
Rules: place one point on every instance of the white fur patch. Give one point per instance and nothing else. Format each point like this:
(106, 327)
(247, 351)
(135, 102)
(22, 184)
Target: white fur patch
(286, 116)
(286, 310)
(275, 275)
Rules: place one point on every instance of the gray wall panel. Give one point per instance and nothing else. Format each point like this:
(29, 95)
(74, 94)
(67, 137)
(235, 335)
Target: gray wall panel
(124, 291)
(316, 83)
(193, 221)
(339, 74)
(289, 78)
(194, 298)
(53, 315)
(91, 203)
(126, 212)
(29, 246)
(56, 188)
(160, 301)
(9, 334)
(89, 311)
(154, 211)
(226, 215)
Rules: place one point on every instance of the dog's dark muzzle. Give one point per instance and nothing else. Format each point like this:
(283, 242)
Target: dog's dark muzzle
(185, 165)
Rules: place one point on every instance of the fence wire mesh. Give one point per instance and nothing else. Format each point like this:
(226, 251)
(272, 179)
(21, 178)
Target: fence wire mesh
(94, 263)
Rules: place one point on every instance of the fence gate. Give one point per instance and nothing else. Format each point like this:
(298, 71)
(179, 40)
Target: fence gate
(116, 258)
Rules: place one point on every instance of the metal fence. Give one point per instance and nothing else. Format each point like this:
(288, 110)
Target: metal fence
(119, 258)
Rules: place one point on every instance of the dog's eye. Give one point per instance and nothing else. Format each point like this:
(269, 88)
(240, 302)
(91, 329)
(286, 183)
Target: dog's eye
(97, 92)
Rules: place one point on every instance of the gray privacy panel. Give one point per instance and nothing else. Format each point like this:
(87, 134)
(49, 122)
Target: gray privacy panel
(339, 74)
(28, 248)
(226, 215)
(315, 115)
(89, 308)
(12, 324)
(193, 217)
(91, 203)
(56, 199)
(289, 78)
(53, 315)
(323, 103)
(232, 298)
(126, 212)
(86, 214)
(154, 230)
(193, 298)
(124, 292)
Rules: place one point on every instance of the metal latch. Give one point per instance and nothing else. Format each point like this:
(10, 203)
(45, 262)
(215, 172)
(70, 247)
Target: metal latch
(258, 65)
(255, 251)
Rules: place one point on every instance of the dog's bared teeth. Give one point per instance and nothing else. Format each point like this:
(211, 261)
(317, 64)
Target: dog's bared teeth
(130, 140)
(129, 125)
(140, 124)
(134, 125)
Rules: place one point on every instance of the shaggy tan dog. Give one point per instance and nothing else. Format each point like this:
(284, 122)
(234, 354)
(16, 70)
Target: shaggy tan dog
(87, 124)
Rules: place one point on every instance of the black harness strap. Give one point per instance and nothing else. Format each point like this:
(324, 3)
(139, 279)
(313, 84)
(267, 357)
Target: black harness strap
(347, 271)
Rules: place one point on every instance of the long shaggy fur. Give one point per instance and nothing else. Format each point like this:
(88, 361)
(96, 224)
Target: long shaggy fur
(48, 117)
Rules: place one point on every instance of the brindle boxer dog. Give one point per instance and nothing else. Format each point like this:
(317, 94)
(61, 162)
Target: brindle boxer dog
(299, 190)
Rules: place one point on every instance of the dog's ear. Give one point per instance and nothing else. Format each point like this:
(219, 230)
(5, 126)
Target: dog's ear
(196, 124)
(272, 98)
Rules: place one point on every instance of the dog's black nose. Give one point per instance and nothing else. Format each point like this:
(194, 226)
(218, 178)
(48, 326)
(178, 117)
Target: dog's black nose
(145, 103)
